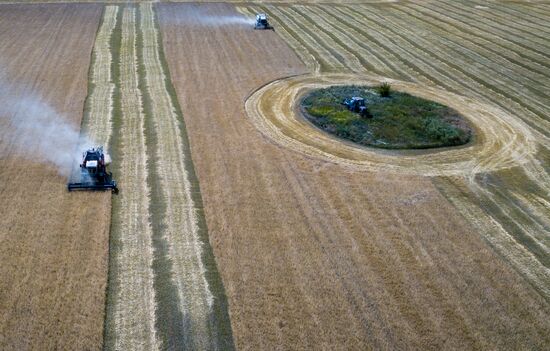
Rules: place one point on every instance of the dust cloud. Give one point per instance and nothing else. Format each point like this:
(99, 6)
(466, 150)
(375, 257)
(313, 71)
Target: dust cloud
(32, 129)
(203, 17)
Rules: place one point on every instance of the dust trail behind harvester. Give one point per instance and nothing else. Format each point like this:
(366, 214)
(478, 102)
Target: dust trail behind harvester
(201, 16)
(32, 129)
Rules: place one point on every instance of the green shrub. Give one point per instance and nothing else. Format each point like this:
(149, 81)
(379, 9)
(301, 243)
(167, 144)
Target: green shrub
(384, 89)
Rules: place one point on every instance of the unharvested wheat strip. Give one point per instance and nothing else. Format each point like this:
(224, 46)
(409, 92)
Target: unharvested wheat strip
(326, 60)
(530, 233)
(543, 10)
(180, 220)
(347, 57)
(134, 308)
(244, 11)
(542, 202)
(528, 47)
(307, 57)
(101, 98)
(316, 61)
(502, 241)
(330, 59)
(529, 24)
(508, 87)
(363, 54)
(537, 11)
(526, 115)
(494, 23)
(464, 27)
(537, 173)
(477, 44)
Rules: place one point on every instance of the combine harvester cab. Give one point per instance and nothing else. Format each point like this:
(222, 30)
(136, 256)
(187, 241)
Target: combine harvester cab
(262, 22)
(93, 173)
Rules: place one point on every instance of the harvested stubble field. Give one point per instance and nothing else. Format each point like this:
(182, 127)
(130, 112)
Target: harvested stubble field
(492, 57)
(53, 247)
(317, 251)
(319, 244)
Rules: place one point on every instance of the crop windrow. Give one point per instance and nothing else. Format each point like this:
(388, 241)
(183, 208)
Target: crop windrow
(98, 111)
(130, 323)
(190, 294)
(163, 287)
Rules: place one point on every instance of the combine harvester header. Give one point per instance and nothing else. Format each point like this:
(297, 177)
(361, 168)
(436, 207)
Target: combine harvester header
(93, 172)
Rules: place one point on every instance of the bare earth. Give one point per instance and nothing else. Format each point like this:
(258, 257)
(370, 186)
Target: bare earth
(314, 254)
(53, 245)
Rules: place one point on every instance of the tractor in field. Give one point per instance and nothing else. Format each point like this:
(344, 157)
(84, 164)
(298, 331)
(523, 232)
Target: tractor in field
(93, 172)
(357, 104)
(262, 22)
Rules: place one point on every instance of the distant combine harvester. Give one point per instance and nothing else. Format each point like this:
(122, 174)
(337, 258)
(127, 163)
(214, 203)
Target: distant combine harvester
(262, 22)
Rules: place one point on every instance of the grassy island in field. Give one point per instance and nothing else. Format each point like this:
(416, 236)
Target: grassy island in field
(397, 121)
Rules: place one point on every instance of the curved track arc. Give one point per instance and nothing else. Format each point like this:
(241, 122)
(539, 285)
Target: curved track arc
(501, 140)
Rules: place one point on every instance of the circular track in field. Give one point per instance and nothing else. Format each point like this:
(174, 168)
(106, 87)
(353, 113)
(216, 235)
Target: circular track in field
(500, 141)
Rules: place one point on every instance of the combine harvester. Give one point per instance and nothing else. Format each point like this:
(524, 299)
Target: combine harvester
(93, 173)
(262, 22)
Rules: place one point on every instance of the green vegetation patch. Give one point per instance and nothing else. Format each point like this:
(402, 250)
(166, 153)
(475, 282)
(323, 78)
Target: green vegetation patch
(396, 121)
